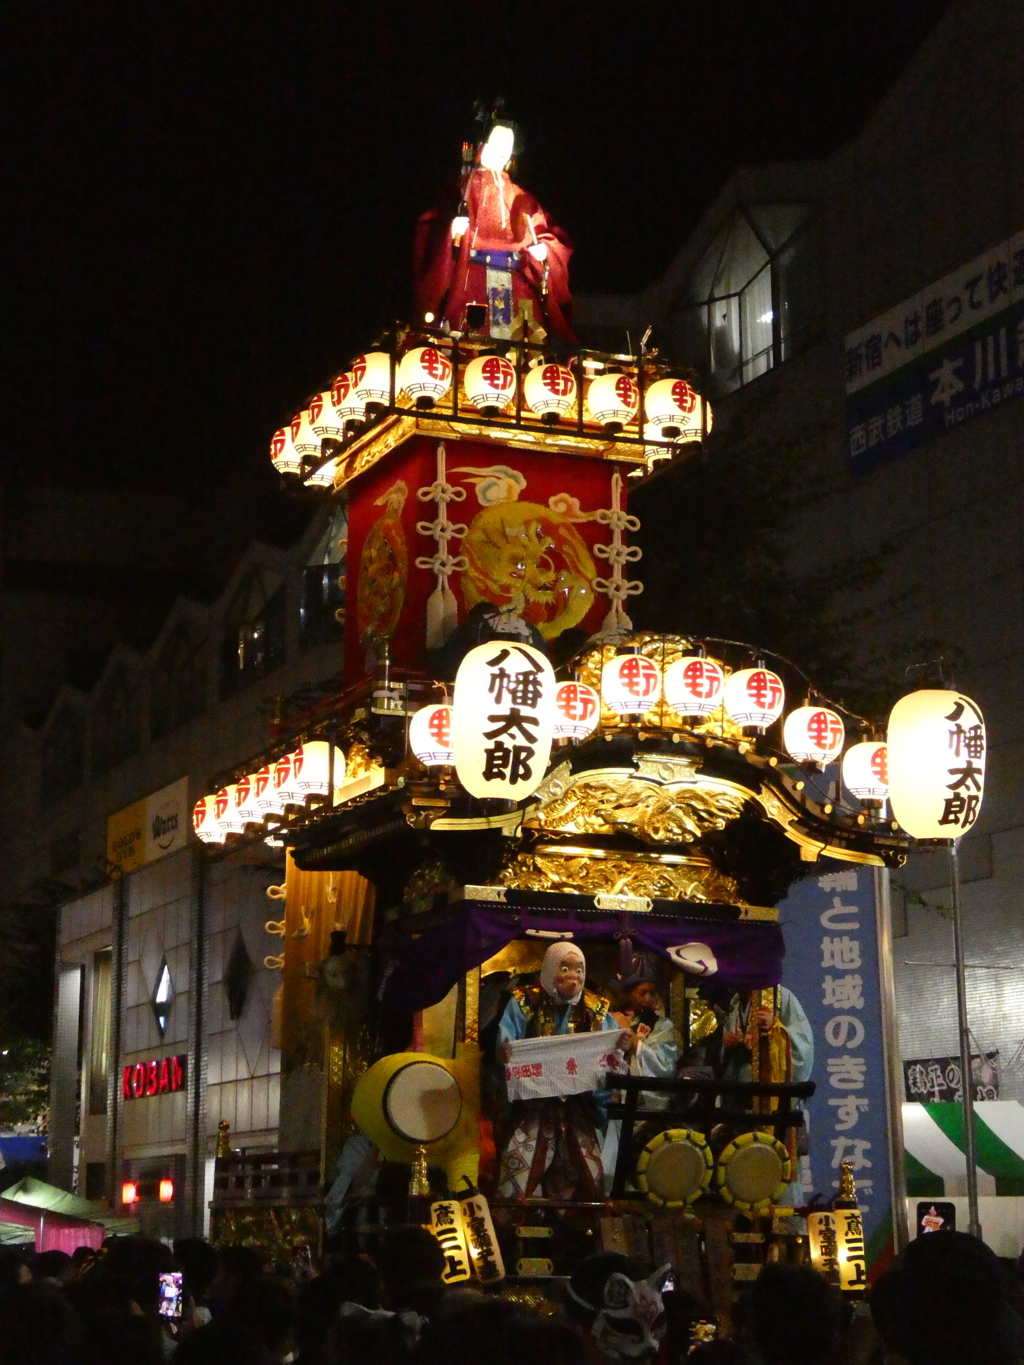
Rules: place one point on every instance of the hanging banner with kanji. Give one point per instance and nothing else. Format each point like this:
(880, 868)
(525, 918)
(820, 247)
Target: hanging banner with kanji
(950, 354)
(567, 1064)
(831, 966)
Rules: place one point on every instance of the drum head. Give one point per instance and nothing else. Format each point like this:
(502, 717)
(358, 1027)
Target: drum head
(755, 1174)
(422, 1102)
(675, 1171)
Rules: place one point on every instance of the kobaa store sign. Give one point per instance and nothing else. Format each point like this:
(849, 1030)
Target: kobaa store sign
(162, 1076)
(149, 829)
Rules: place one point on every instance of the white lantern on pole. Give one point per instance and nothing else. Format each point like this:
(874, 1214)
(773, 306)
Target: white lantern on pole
(630, 684)
(866, 770)
(813, 734)
(694, 685)
(311, 768)
(267, 797)
(668, 404)
(246, 809)
(754, 696)
(612, 400)
(205, 822)
(307, 442)
(285, 457)
(372, 373)
(578, 710)
(343, 398)
(696, 424)
(936, 749)
(490, 384)
(430, 735)
(550, 391)
(425, 374)
(225, 811)
(286, 785)
(503, 720)
(324, 417)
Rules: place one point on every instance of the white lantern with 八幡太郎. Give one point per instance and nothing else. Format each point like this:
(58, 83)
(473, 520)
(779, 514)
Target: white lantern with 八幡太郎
(754, 696)
(226, 811)
(866, 770)
(630, 684)
(669, 405)
(430, 735)
(285, 458)
(267, 797)
(349, 408)
(205, 823)
(694, 685)
(324, 417)
(612, 400)
(813, 734)
(578, 710)
(549, 390)
(936, 746)
(307, 442)
(425, 374)
(246, 809)
(372, 373)
(490, 384)
(503, 720)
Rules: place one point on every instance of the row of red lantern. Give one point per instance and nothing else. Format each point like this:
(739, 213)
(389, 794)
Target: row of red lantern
(294, 779)
(672, 409)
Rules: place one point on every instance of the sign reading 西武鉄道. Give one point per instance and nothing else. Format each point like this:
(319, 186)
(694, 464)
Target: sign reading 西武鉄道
(148, 829)
(947, 355)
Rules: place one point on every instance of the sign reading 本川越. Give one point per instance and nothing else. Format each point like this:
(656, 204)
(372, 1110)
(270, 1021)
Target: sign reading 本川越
(945, 356)
(148, 829)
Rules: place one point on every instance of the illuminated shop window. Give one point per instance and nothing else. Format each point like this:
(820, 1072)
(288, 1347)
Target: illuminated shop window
(322, 589)
(179, 681)
(753, 300)
(253, 642)
(163, 998)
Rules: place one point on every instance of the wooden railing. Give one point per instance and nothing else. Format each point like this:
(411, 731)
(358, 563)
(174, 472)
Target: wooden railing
(291, 1178)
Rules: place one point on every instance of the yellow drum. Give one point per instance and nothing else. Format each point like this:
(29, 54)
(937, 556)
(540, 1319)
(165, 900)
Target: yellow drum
(407, 1099)
(674, 1168)
(752, 1172)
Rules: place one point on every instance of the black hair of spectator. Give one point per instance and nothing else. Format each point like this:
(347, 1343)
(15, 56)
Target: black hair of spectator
(500, 1333)
(264, 1307)
(793, 1316)
(13, 1267)
(39, 1327)
(224, 1343)
(411, 1265)
(721, 1352)
(349, 1279)
(198, 1261)
(52, 1265)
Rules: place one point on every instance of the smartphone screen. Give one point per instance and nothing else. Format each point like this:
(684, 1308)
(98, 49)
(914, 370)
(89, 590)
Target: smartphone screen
(170, 1294)
(302, 1261)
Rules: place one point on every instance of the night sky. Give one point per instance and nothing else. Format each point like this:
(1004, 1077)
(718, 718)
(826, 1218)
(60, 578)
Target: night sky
(209, 206)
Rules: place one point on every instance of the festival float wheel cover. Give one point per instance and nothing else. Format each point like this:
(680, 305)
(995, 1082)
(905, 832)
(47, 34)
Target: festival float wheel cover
(674, 1168)
(752, 1172)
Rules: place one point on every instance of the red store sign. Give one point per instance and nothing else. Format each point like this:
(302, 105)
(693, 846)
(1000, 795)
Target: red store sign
(153, 1078)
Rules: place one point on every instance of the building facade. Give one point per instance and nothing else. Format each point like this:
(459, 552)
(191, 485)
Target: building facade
(829, 295)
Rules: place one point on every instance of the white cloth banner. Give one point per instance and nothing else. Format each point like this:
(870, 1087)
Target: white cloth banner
(567, 1064)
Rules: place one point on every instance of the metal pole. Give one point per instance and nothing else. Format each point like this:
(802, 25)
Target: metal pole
(966, 1079)
(891, 1053)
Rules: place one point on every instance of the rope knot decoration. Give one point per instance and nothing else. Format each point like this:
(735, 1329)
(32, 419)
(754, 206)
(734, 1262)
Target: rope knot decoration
(442, 607)
(616, 587)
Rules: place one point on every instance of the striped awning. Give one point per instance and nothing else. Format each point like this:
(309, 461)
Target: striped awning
(933, 1136)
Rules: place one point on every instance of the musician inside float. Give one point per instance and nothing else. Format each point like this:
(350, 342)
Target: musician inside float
(553, 1144)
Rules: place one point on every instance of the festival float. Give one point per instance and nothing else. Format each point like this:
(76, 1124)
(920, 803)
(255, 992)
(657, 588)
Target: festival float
(530, 949)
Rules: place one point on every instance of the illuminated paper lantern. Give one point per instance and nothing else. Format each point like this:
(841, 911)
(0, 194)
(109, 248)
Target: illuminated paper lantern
(205, 823)
(578, 710)
(226, 811)
(430, 735)
(286, 786)
(936, 749)
(837, 1249)
(668, 403)
(324, 417)
(696, 424)
(613, 400)
(866, 770)
(372, 373)
(286, 459)
(490, 384)
(307, 442)
(813, 734)
(311, 768)
(694, 686)
(480, 1234)
(754, 696)
(425, 374)
(447, 1226)
(322, 476)
(630, 684)
(503, 720)
(265, 794)
(343, 398)
(550, 391)
(246, 809)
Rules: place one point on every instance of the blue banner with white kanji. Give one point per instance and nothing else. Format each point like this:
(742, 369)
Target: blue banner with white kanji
(831, 967)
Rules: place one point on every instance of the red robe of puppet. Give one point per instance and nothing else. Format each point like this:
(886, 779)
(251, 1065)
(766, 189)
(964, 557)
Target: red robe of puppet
(502, 217)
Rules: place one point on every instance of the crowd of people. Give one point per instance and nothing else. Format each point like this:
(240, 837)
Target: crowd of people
(946, 1301)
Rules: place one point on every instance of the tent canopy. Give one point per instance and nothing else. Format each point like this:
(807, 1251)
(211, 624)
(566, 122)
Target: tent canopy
(936, 1166)
(38, 1194)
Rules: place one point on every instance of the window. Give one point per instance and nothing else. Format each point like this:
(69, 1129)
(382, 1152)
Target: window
(63, 757)
(253, 643)
(753, 301)
(115, 721)
(99, 1031)
(322, 589)
(179, 681)
(163, 998)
